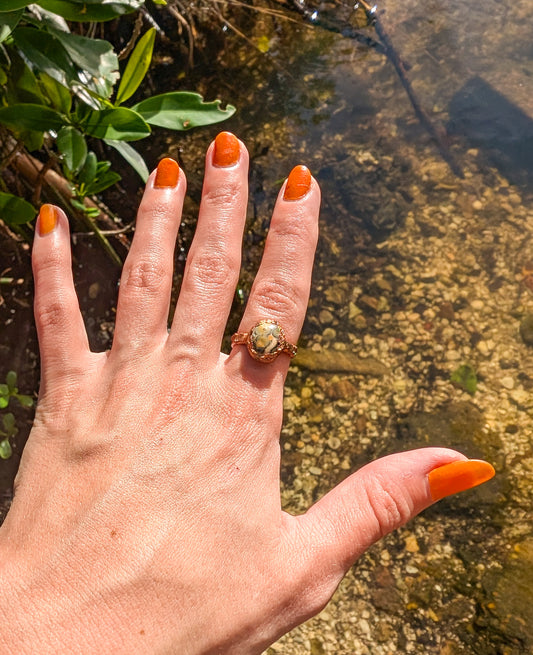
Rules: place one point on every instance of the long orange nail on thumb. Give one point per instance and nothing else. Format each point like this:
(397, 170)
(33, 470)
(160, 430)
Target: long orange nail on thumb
(458, 476)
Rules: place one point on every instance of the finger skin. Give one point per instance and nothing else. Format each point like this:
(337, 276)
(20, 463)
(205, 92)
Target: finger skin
(146, 282)
(214, 260)
(282, 285)
(62, 336)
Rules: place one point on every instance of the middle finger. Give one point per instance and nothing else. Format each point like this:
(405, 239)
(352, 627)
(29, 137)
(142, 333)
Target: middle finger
(213, 263)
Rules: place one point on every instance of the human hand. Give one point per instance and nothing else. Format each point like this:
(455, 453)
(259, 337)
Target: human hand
(147, 514)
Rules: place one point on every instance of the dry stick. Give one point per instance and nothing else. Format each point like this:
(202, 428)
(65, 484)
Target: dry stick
(344, 29)
(421, 114)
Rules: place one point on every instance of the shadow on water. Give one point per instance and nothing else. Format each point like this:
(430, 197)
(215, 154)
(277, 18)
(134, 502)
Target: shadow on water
(487, 119)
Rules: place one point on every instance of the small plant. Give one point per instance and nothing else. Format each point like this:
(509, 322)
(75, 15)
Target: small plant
(62, 93)
(9, 429)
(465, 378)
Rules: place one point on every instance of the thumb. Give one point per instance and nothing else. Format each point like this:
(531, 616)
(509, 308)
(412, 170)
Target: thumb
(377, 499)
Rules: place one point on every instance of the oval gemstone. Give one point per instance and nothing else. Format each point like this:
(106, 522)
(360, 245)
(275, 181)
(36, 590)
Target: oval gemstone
(265, 337)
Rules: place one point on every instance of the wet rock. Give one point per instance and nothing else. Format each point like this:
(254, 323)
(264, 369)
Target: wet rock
(509, 612)
(341, 390)
(339, 361)
(526, 329)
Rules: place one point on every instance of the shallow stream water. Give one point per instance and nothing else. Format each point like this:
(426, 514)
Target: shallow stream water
(419, 272)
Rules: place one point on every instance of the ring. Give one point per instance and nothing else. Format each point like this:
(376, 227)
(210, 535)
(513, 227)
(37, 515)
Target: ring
(265, 341)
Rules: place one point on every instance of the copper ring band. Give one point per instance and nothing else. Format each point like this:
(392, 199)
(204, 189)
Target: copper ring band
(265, 341)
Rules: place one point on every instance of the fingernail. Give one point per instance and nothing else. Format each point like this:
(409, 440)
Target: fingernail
(227, 149)
(47, 219)
(458, 476)
(298, 183)
(167, 174)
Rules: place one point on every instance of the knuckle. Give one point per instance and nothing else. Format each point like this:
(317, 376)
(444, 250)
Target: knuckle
(223, 194)
(279, 296)
(389, 504)
(147, 275)
(50, 315)
(212, 268)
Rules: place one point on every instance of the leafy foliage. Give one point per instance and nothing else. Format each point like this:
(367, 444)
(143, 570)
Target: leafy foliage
(57, 90)
(9, 429)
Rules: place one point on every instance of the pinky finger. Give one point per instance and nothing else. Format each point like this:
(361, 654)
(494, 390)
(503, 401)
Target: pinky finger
(63, 342)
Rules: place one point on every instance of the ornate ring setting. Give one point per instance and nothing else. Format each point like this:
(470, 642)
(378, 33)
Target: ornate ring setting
(265, 341)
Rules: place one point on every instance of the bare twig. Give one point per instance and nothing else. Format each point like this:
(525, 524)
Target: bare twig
(436, 134)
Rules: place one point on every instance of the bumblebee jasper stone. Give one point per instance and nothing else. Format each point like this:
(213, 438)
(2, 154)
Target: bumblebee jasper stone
(265, 338)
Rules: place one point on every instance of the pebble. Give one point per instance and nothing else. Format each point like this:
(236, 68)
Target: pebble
(453, 355)
(507, 382)
(325, 316)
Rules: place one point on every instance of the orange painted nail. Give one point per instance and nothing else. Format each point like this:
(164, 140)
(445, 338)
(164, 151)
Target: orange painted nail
(458, 476)
(298, 183)
(227, 149)
(47, 219)
(167, 174)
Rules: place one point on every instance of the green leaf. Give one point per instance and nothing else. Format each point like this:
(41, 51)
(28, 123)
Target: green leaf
(88, 172)
(28, 116)
(4, 402)
(133, 158)
(103, 181)
(58, 95)
(119, 123)
(181, 110)
(15, 210)
(96, 59)
(4, 390)
(22, 85)
(72, 146)
(8, 421)
(25, 401)
(46, 53)
(87, 11)
(5, 449)
(465, 378)
(11, 380)
(13, 5)
(137, 66)
(8, 22)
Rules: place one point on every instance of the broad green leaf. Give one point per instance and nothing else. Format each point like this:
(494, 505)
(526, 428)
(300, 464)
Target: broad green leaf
(89, 11)
(4, 390)
(58, 95)
(88, 172)
(15, 210)
(181, 110)
(8, 22)
(46, 53)
(133, 158)
(119, 123)
(22, 85)
(72, 146)
(12, 5)
(25, 401)
(27, 116)
(4, 402)
(96, 59)
(137, 66)
(465, 377)
(5, 449)
(11, 380)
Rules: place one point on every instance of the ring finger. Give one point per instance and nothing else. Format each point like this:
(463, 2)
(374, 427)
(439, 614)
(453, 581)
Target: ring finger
(281, 288)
